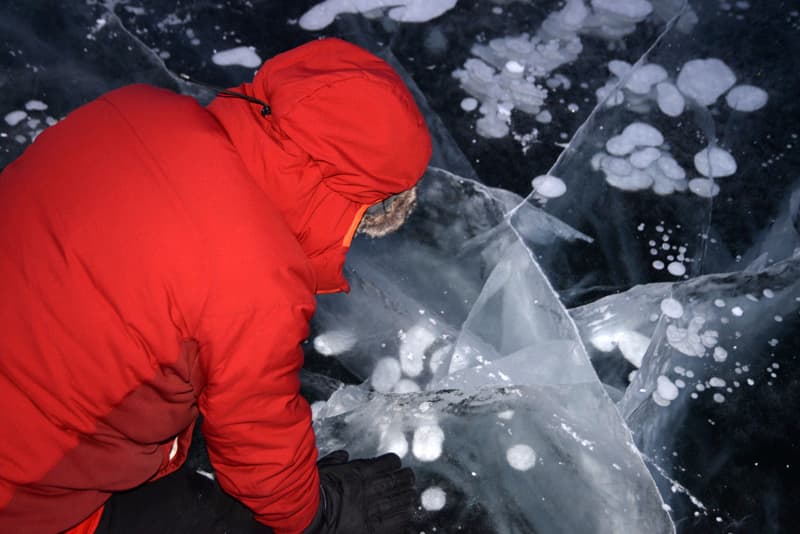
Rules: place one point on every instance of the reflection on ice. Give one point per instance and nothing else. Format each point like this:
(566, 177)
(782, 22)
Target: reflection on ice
(517, 355)
(509, 459)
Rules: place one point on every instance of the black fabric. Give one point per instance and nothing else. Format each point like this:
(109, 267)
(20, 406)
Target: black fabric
(183, 502)
(371, 496)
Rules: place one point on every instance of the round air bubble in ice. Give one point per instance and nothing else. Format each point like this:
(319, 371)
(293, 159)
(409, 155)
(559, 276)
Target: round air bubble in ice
(714, 162)
(636, 181)
(413, 345)
(433, 499)
(666, 389)
(703, 187)
(386, 374)
(663, 186)
(672, 308)
(641, 159)
(406, 386)
(514, 67)
(645, 77)
(427, 443)
(642, 134)
(545, 117)
(549, 186)
(634, 10)
(716, 382)
(705, 80)
(35, 105)
(15, 117)
(620, 146)
(469, 104)
(617, 166)
(393, 440)
(521, 457)
(670, 100)
(334, 342)
(671, 168)
(746, 98)
(243, 56)
(676, 268)
(633, 346)
(619, 68)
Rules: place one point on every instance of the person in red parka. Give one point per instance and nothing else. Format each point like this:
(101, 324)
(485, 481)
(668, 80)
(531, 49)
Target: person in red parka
(159, 261)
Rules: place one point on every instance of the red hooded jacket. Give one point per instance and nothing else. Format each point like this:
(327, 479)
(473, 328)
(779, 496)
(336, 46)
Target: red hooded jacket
(159, 260)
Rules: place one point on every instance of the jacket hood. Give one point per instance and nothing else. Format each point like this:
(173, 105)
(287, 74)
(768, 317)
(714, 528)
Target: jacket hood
(344, 134)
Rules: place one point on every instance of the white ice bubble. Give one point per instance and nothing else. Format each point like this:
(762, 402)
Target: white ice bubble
(618, 166)
(737, 311)
(716, 382)
(15, 117)
(705, 80)
(635, 10)
(386, 374)
(642, 134)
(433, 499)
(703, 187)
(666, 389)
(334, 342)
(671, 168)
(469, 104)
(427, 443)
(619, 68)
(324, 13)
(413, 345)
(633, 346)
(545, 117)
(636, 181)
(746, 98)
(719, 397)
(549, 186)
(393, 440)
(620, 146)
(642, 79)
(35, 105)
(521, 457)
(406, 386)
(642, 159)
(676, 268)
(719, 303)
(658, 265)
(714, 162)
(670, 100)
(244, 56)
(672, 308)
(514, 67)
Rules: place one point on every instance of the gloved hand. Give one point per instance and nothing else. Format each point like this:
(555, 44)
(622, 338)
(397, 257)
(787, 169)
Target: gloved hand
(371, 496)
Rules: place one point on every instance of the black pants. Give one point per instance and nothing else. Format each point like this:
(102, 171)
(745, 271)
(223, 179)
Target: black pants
(181, 503)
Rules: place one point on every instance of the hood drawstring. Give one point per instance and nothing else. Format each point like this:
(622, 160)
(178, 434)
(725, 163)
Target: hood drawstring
(265, 109)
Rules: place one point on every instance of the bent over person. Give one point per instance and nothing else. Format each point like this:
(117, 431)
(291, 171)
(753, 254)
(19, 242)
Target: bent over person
(159, 261)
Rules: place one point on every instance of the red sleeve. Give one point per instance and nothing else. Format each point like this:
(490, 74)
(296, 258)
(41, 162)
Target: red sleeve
(256, 424)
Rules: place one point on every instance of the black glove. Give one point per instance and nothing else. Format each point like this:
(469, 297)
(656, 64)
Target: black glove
(373, 496)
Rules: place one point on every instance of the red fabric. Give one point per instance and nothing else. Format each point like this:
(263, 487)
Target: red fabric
(88, 525)
(160, 260)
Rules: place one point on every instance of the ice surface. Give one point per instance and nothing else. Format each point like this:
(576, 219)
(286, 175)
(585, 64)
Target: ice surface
(454, 348)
